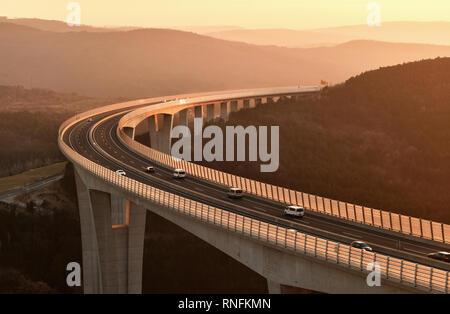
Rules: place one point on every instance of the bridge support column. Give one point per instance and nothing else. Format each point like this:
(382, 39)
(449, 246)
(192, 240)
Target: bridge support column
(198, 112)
(129, 132)
(233, 106)
(160, 128)
(118, 210)
(240, 104)
(209, 112)
(112, 254)
(224, 110)
(273, 287)
(182, 117)
(190, 118)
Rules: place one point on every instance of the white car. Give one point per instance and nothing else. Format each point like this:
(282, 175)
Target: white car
(294, 211)
(235, 193)
(179, 174)
(121, 172)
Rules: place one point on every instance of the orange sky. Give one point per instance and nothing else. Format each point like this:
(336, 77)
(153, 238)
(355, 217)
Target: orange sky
(296, 14)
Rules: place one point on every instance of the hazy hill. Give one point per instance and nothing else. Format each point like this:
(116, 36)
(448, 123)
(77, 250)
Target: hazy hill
(281, 37)
(59, 26)
(157, 61)
(381, 139)
(206, 29)
(437, 33)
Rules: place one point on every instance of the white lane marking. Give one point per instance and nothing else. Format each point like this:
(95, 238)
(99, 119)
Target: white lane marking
(360, 231)
(352, 235)
(406, 249)
(410, 244)
(261, 205)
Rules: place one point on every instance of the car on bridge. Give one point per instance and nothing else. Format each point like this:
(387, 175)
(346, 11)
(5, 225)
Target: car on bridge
(89, 120)
(149, 169)
(121, 172)
(179, 174)
(441, 256)
(295, 211)
(361, 245)
(235, 193)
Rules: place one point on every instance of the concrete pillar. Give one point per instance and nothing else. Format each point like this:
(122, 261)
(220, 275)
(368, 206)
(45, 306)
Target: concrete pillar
(141, 132)
(129, 132)
(118, 210)
(182, 117)
(91, 260)
(198, 112)
(141, 128)
(233, 106)
(112, 254)
(136, 235)
(209, 112)
(216, 110)
(224, 110)
(273, 287)
(252, 103)
(160, 129)
(240, 104)
(190, 118)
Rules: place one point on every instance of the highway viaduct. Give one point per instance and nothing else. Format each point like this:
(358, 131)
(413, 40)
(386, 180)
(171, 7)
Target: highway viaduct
(315, 255)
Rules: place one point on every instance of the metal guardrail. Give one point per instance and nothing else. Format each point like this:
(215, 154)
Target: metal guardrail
(407, 273)
(408, 225)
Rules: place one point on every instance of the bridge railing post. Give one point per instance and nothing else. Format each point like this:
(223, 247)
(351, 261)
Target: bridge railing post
(315, 246)
(338, 252)
(432, 231)
(443, 233)
(295, 241)
(415, 275)
(361, 255)
(447, 283)
(410, 226)
(431, 278)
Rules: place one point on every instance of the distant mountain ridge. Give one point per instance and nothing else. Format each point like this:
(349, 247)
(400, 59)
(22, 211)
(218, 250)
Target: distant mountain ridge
(148, 62)
(59, 26)
(437, 33)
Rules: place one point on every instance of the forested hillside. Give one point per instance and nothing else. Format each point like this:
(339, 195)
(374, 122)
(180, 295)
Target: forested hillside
(29, 123)
(381, 139)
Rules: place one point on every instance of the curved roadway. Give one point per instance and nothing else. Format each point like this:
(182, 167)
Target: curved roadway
(97, 141)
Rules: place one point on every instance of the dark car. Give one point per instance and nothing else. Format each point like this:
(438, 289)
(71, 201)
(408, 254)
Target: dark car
(361, 245)
(441, 256)
(149, 169)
